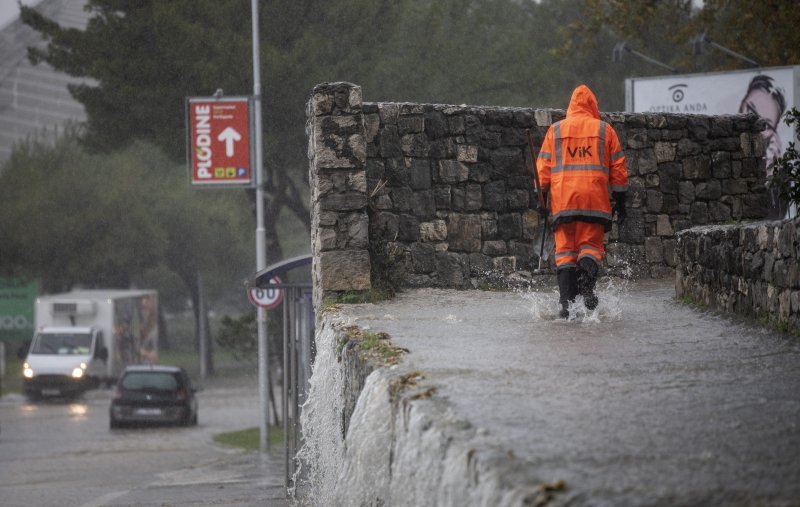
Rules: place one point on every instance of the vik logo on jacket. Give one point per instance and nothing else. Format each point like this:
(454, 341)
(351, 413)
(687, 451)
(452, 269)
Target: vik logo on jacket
(579, 151)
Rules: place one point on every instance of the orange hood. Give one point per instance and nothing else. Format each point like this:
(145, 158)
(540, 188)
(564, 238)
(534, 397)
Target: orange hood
(583, 103)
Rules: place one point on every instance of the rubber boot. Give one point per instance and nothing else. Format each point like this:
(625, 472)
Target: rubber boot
(587, 279)
(567, 290)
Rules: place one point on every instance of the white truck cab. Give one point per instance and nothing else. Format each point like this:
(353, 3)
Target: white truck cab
(64, 361)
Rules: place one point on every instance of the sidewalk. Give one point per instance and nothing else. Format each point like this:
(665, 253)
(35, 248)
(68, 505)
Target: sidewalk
(647, 401)
(250, 479)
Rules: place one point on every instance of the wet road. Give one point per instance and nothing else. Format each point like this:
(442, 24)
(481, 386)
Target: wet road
(62, 453)
(646, 401)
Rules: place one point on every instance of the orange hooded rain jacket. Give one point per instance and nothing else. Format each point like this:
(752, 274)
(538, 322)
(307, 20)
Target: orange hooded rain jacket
(580, 161)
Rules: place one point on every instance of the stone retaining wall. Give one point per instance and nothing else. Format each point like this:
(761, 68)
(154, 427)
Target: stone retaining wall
(447, 192)
(749, 269)
(377, 435)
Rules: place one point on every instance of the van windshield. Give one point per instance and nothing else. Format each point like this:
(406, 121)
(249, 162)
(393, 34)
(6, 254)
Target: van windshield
(62, 344)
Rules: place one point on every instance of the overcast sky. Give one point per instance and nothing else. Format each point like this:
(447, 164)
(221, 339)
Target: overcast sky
(9, 10)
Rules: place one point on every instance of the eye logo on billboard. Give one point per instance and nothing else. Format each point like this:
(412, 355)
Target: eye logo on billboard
(676, 98)
(678, 92)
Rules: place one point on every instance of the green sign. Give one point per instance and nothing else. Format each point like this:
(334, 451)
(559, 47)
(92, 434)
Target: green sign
(17, 298)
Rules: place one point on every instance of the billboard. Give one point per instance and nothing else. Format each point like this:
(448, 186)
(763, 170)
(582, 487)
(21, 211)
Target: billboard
(219, 147)
(767, 92)
(16, 309)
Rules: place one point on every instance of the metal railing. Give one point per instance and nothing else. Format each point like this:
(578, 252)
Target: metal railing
(298, 356)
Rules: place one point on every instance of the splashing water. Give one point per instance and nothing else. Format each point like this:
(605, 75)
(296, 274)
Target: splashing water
(321, 455)
(610, 292)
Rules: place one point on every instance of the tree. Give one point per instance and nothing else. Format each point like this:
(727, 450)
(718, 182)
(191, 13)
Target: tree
(764, 31)
(70, 218)
(67, 217)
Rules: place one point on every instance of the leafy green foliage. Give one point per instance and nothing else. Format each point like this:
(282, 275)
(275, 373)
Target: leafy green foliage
(68, 217)
(239, 336)
(786, 170)
(764, 31)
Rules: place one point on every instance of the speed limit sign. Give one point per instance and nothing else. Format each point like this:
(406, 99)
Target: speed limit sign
(267, 298)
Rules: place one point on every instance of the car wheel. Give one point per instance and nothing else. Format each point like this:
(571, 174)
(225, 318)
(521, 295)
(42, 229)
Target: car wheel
(114, 424)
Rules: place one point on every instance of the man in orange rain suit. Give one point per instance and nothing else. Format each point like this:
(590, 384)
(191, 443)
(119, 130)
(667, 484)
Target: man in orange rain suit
(580, 162)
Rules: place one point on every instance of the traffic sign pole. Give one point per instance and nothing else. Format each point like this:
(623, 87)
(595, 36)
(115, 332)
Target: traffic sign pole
(261, 251)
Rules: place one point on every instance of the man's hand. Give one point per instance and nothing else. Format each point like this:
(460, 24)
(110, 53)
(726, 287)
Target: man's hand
(619, 207)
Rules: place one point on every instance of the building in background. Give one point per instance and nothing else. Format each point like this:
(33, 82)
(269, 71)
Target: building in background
(34, 100)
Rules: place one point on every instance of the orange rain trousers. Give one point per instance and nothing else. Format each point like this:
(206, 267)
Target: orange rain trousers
(576, 240)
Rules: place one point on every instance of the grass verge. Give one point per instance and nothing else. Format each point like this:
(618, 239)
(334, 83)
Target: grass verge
(248, 439)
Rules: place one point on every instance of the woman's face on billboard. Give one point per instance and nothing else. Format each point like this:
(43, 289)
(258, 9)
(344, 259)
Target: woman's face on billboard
(761, 103)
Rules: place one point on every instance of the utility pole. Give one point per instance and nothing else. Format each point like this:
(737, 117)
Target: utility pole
(261, 253)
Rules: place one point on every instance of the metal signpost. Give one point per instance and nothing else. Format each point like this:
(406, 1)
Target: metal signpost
(220, 154)
(261, 248)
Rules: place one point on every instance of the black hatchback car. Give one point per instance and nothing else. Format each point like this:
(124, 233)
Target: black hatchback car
(153, 394)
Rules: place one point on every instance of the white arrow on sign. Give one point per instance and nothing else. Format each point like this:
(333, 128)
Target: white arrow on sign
(229, 135)
(269, 297)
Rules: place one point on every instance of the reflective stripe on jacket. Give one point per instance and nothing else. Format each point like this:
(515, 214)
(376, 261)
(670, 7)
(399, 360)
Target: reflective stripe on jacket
(580, 161)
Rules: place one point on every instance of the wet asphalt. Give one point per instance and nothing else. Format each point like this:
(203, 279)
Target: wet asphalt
(645, 401)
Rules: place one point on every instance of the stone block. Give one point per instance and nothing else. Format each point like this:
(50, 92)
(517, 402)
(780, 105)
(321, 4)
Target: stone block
(442, 196)
(688, 148)
(464, 232)
(505, 265)
(423, 257)
(452, 171)
(509, 226)
(435, 125)
(343, 202)
(696, 168)
(708, 190)
(466, 153)
(494, 248)
(636, 138)
(648, 161)
(655, 201)
(664, 226)
(721, 164)
(530, 221)
(410, 125)
(479, 264)
(433, 231)
(669, 177)
(344, 270)
(653, 250)
(408, 228)
(423, 204)
(670, 256)
(664, 152)
(414, 145)
(719, 212)
(389, 142)
(518, 199)
(452, 270)
(494, 196)
(686, 192)
(384, 225)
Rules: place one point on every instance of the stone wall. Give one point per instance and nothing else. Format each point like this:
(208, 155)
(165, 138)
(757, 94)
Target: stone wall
(749, 269)
(377, 435)
(446, 190)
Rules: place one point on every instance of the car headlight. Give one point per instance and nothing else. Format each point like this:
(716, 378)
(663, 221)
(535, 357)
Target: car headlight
(77, 372)
(27, 371)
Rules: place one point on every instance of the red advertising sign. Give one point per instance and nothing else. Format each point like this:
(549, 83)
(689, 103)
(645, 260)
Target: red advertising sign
(219, 141)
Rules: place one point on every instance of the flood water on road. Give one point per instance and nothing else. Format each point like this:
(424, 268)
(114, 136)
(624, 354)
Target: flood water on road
(646, 400)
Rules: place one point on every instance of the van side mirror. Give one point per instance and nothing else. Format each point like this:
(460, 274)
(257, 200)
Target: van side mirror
(102, 354)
